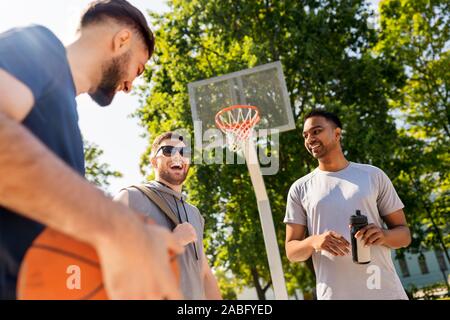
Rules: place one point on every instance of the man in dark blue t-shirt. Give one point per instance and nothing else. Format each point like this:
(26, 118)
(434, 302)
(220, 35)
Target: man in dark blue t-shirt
(41, 150)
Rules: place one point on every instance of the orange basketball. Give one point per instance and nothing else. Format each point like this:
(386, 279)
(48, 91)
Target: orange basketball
(57, 267)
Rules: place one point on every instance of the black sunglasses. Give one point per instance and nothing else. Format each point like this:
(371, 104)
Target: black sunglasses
(170, 151)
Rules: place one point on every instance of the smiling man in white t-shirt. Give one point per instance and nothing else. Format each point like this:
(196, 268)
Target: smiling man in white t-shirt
(318, 211)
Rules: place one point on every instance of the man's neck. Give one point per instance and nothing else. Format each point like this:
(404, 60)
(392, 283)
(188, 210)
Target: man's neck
(82, 65)
(333, 162)
(176, 188)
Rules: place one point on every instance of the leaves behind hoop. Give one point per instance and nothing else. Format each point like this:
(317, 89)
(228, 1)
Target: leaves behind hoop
(57, 267)
(237, 122)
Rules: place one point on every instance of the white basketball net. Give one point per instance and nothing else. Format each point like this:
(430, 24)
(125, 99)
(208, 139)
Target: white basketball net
(237, 123)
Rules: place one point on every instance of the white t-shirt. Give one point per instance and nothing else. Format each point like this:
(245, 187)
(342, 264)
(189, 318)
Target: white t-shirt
(324, 201)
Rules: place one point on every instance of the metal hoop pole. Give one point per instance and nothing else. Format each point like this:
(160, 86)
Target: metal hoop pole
(265, 215)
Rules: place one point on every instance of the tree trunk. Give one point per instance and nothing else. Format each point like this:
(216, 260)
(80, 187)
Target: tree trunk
(259, 290)
(438, 232)
(428, 211)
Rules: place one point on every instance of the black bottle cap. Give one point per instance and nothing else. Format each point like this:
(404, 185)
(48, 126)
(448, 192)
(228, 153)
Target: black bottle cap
(358, 218)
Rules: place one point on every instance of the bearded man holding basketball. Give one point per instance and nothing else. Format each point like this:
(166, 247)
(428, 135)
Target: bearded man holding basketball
(41, 150)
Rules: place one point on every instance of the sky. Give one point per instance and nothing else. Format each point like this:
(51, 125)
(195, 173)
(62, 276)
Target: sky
(111, 128)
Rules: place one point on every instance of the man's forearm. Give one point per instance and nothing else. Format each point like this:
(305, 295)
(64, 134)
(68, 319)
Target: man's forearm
(38, 185)
(300, 250)
(397, 237)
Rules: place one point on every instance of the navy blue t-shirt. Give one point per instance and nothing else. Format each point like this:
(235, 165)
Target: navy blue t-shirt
(36, 57)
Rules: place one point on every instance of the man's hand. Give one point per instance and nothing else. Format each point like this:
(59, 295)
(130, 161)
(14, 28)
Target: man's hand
(134, 256)
(136, 265)
(332, 242)
(371, 235)
(185, 233)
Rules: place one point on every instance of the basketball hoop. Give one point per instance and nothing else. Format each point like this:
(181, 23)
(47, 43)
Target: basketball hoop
(224, 102)
(237, 122)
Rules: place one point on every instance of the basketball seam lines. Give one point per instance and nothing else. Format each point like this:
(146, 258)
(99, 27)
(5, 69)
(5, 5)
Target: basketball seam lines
(68, 254)
(93, 293)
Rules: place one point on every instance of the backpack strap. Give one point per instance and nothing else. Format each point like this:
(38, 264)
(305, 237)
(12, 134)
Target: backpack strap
(156, 199)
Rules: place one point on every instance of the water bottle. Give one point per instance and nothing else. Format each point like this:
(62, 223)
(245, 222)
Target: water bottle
(361, 254)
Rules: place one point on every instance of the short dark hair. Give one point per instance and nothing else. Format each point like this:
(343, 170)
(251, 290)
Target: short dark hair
(330, 116)
(122, 12)
(162, 137)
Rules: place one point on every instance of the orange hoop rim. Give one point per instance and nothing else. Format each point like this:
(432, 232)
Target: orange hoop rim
(246, 124)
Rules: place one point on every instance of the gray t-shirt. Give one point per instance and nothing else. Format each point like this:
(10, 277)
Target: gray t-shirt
(324, 201)
(191, 261)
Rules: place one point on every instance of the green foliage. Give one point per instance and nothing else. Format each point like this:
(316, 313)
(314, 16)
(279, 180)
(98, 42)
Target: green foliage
(97, 172)
(415, 36)
(325, 49)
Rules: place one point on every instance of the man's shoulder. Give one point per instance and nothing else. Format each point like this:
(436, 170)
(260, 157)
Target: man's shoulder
(136, 189)
(129, 189)
(300, 183)
(368, 168)
(134, 194)
(33, 54)
(139, 201)
(35, 28)
(31, 35)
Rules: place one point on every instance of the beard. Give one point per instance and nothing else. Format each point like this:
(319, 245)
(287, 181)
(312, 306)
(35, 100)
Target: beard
(171, 178)
(113, 72)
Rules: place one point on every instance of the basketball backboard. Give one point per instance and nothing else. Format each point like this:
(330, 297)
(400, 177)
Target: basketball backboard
(263, 86)
(237, 94)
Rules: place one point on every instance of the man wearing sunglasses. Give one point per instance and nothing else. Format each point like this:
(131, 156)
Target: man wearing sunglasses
(170, 158)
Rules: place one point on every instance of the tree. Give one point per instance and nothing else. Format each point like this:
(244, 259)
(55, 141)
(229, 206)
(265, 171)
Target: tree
(97, 172)
(325, 49)
(424, 192)
(415, 35)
